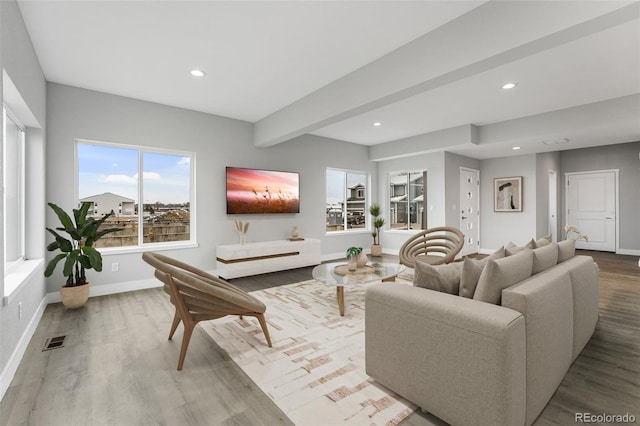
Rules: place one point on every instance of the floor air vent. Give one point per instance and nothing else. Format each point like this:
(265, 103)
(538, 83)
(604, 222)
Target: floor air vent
(54, 343)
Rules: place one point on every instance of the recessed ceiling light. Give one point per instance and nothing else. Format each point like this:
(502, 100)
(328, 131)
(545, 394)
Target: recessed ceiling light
(515, 148)
(377, 124)
(508, 86)
(197, 73)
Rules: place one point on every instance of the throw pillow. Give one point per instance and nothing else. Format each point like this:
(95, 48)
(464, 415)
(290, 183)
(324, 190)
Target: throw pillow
(544, 258)
(541, 242)
(498, 254)
(512, 249)
(502, 273)
(443, 278)
(471, 270)
(566, 249)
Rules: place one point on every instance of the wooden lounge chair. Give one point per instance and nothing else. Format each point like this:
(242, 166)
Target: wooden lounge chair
(434, 246)
(199, 296)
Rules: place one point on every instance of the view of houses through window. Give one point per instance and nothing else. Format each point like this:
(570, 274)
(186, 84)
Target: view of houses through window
(407, 200)
(346, 200)
(14, 190)
(115, 178)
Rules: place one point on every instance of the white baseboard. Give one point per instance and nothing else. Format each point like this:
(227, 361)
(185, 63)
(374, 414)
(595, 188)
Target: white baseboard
(331, 256)
(16, 357)
(629, 252)
(103, 290)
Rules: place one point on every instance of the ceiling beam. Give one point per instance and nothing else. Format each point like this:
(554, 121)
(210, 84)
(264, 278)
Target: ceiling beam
(425, 143)
(489, 36)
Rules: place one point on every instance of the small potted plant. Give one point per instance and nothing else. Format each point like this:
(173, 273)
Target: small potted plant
(356, 258)
(378, 223)
(77, 251)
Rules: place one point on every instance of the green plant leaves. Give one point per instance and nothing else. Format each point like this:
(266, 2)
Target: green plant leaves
(51, 266)
(77, 251)
(353, 252)
(95, 259)
(62, 215)
(71, 260)
(81, 214)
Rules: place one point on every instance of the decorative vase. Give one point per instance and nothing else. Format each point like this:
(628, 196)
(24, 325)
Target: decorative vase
(376, 250)
(361, 260)
(294, 232)
(352, 264)
(74, 297)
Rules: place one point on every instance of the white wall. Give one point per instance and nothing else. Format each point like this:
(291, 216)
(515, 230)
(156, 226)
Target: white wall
(498, 228)
(626, 158)
(26, 88)
(218, 142)
(453, 163)
(434, 164)
(545, 163)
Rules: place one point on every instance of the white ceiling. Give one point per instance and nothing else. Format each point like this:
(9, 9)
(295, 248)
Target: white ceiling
(280, 64)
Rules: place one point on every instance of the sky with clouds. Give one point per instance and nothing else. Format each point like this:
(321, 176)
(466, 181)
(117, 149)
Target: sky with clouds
(165, 178)
(336, 187)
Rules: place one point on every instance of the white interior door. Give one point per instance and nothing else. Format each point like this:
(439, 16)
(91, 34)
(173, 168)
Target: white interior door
(470, 210)
(553, 205)
(591, 207)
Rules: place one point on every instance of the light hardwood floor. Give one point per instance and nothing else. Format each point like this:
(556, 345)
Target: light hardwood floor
(117, 367)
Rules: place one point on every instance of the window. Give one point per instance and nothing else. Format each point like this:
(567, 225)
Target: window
(346, 200)
(407, 200)
(116, 178)
(14, 190)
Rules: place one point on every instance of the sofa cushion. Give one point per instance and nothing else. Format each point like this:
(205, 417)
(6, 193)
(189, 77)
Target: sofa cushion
(566, 249)
(544, 258)
(471, 270)
(502, 273)
(512, 248)
(541, 242)
(444, 278)
(498, 254)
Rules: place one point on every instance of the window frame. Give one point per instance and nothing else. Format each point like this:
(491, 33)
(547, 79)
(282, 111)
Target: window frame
(407, 192)
(15, 264)
(367, 201)
(142, 149)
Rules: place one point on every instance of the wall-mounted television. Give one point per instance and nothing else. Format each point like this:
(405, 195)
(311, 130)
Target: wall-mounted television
(257, 191)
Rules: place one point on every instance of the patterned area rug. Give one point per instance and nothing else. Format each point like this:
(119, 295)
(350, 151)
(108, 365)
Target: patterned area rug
(315, 370)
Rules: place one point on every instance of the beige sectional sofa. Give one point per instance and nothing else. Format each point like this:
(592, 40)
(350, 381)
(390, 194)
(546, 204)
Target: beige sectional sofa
(470, 362)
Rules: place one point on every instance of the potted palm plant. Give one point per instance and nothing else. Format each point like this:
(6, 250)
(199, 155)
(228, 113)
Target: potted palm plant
(378, 223)
(77, 251)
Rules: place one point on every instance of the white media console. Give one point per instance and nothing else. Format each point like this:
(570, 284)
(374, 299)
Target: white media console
(241, 260)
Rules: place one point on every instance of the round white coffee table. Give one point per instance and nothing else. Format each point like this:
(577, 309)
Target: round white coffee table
(337, 274)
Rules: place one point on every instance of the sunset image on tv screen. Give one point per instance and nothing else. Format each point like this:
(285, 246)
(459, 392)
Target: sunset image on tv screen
(252, 191)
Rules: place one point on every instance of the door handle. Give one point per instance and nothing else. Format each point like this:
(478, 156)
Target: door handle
(608, 218)
(464, 217)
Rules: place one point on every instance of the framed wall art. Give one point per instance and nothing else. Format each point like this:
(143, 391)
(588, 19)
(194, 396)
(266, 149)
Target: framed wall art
(507, 194)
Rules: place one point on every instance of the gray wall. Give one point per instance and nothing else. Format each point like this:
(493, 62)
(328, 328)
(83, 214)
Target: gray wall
(453, 163)
(498, 228)
(434, 164)
(545, 163)
(218, 142)
(624, 157)
(19, 61)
